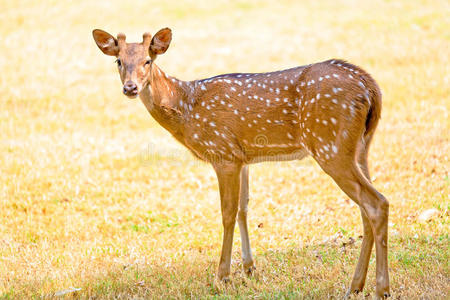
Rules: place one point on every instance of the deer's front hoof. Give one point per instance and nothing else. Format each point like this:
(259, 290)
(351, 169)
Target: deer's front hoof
(351, 291)
(249, 270)
(223, 274)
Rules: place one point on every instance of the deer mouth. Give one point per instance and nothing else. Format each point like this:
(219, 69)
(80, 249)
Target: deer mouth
(132, 95)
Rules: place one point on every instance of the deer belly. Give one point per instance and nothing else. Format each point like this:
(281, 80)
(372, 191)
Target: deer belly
(275, 154)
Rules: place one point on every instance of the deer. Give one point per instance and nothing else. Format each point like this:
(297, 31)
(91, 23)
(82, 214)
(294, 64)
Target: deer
(327, 110)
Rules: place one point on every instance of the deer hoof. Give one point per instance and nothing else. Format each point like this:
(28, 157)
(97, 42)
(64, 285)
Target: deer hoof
(226, 280)
(249, 270)
(351, 291)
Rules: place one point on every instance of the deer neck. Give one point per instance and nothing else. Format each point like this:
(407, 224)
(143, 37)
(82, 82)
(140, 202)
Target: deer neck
(165, 98)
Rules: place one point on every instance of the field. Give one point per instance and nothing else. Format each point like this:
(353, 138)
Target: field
(97, 200)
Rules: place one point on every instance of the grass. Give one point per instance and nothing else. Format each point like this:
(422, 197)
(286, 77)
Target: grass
(95, 195)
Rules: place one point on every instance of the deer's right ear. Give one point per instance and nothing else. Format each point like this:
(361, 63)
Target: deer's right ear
(106, 42)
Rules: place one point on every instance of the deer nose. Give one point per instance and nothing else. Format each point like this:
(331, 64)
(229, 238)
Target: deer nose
(130, 88)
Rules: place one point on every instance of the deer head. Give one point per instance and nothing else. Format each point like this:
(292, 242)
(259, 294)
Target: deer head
(134, 60)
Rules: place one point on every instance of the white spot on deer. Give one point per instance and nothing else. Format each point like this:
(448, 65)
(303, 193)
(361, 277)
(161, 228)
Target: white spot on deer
(334, 101)
(242, 118)
(216, 132)
(335, 75)
(259, 116)
(235, 111)
(350, 76)
(320, 78)
(233, 89)
(318, 96)
(268, 121)
(203, 87)
(255, 96)
(226, 96)
(344, 106)
(212, 124)
(195, 136)
(327, 95)
(197, 116)
(324, 122)
(227, 80)
(333, 120)
(249, 85)
(334, 148)
(238, 82)
(327, 76)
(312, 100)
(286, 87)
(208, 107)
(277, 90)
(290, 136)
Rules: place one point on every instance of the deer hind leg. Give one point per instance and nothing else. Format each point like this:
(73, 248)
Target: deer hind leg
(359, 277)
(375, 210)
(228, 175)
(247, 258)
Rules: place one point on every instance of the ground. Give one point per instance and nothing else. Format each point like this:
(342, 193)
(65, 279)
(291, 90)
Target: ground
(96, 196)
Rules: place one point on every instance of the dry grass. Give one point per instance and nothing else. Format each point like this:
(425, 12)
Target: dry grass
(95, 195)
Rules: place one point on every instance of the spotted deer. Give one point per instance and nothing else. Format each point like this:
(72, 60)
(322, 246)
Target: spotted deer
(328, 110)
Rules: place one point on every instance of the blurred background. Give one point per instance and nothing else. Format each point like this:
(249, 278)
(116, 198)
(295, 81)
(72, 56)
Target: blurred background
(95, 195)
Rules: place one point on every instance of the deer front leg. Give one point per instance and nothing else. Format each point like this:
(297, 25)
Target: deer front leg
(247, 258)
(229, 187)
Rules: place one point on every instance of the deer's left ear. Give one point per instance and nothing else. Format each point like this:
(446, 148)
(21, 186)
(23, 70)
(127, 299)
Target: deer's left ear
(106, 42)
(160, 42)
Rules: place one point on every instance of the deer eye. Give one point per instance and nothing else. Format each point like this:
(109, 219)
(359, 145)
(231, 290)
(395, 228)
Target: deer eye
(147, 62)
(119, 63)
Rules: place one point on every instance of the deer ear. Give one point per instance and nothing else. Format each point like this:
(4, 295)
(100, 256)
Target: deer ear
(106, 42)
(160, 42)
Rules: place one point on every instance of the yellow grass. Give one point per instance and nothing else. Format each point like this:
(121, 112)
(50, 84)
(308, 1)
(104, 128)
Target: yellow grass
(95, 195)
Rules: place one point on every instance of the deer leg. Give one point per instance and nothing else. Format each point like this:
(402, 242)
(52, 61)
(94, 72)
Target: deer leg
(229, 186)
(373, 206)
(359, 277)
(247, 258)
